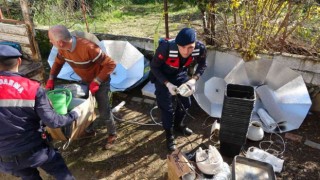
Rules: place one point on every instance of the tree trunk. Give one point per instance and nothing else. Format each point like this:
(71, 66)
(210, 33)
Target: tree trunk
(166, 18)
(25, 7)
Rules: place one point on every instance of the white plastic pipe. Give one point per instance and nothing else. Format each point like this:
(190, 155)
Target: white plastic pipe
(117, 108)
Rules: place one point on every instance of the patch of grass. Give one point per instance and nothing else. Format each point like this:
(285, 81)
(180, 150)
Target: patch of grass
(140, 20)
(141, 10)
(117, 14)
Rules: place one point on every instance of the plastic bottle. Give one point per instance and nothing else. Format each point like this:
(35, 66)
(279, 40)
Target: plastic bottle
(117, 108)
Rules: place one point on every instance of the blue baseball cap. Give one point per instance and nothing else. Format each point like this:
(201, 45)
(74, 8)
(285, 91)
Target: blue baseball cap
(7, 52)
(186, 36)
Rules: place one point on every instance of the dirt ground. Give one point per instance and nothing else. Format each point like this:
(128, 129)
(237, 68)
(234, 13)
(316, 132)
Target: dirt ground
(140, 152)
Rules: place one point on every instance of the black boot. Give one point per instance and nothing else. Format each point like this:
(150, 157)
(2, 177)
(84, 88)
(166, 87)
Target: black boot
(171, 145)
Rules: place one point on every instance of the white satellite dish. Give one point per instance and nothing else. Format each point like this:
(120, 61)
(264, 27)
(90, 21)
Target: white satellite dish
(281, 90)
(130, 68)
(130, 64)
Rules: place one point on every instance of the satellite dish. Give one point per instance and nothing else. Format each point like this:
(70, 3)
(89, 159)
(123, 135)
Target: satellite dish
(131, 63)
(280, 90)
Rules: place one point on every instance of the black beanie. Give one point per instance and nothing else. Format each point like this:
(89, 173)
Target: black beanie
(186, 36)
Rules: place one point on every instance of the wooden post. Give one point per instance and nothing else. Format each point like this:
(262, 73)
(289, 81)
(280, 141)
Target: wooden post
(84, 14)
(166, 18)
(213, 22)
(25, 7)
(1, 15)
(7, 9)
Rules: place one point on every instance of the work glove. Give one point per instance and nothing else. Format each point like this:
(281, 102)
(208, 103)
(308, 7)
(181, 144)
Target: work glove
(172, 88)
(94, 87)
(50, 84)
(188, 88)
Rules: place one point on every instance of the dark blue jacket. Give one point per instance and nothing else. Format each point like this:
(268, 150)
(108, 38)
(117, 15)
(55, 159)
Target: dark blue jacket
(167, 63)
(23, 104)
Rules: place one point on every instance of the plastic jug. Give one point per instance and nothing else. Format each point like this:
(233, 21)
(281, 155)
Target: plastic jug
(60, 99)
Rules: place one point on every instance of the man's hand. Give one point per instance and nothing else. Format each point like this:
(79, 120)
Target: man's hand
(188, 88)
(78, 111)
(172, 88)
(94, 87)
(50, 84)
(192, 84)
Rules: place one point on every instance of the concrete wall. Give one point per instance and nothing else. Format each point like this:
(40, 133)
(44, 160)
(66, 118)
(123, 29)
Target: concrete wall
(308, 67)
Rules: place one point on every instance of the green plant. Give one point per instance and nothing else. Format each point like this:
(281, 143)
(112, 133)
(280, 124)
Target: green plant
(56, 12)
(255, 26)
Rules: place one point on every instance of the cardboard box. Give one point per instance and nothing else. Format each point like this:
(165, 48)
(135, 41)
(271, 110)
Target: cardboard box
(179, 167)
(77, 128)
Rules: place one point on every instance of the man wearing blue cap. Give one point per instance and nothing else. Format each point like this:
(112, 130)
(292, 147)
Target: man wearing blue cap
(169, 68)
(24, 106)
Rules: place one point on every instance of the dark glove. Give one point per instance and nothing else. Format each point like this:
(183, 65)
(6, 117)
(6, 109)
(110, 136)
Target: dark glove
(50, 84)
(94, 87)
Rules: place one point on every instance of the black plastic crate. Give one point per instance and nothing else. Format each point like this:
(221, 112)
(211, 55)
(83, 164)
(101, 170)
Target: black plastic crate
(229, 105)
(232, 116)
(233, 139)
(240, 91)
(233, 135)
(235, 118)
(234, 128)
(243, 120)
(239, 101)
(229, 149)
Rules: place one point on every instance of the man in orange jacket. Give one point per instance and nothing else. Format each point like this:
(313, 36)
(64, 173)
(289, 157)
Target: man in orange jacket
(91, 64)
